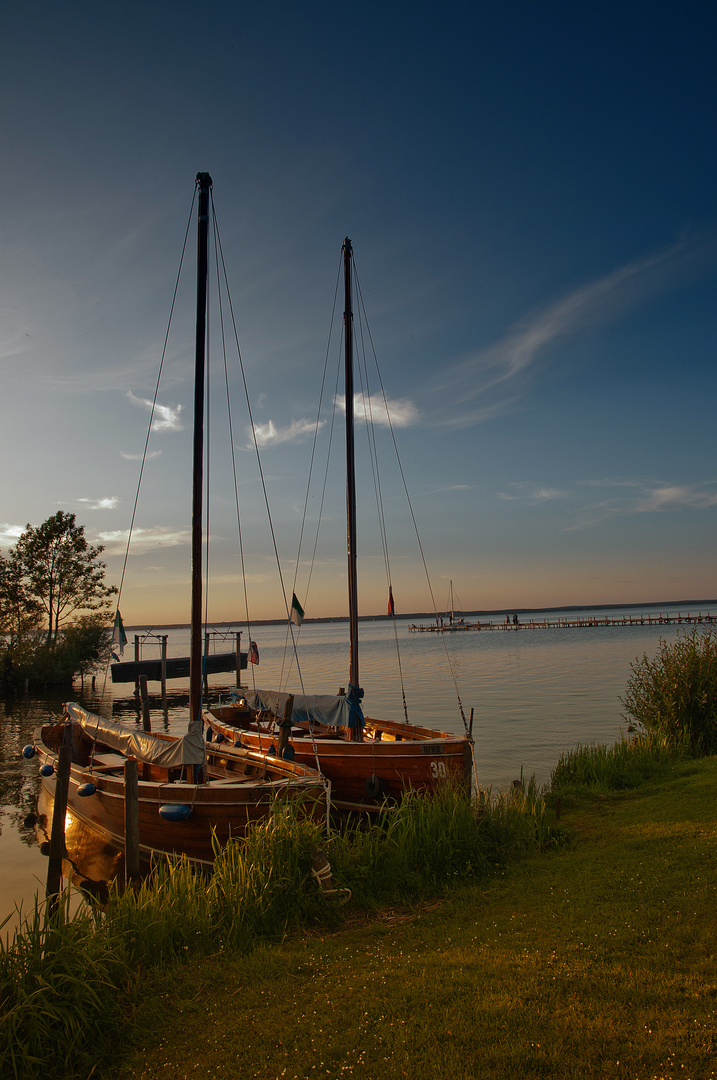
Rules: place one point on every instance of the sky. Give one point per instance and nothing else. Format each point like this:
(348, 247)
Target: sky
(530, 193)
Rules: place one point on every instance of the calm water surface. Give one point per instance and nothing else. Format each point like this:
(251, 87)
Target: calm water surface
(534, 693)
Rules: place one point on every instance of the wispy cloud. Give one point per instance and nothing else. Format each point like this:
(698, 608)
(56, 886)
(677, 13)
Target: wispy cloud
(646, 497)
(143, 540)
(531, 493)
(587, 308)
(448, 487)
(109, 503)
(625, 496)
(401, 411)
(9, 534)
(270, 435)
(166, 417)
(138, 457)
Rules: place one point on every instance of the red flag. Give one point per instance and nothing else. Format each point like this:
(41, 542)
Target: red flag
(391, 609)
(254, 653)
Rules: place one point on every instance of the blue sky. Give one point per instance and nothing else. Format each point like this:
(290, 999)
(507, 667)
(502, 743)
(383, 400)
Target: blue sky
(530, 194)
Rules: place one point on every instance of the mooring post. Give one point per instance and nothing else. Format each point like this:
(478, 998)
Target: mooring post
(57, 835)
(136, 660)
(131, 822)
(239, 657)
(164, 671)
(144, 697)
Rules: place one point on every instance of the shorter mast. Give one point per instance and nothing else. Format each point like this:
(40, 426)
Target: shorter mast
(350, 468)
(204, 183)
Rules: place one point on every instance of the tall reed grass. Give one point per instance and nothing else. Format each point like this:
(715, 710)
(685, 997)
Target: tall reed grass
(63, 993)
(67, 981)
(626, 764)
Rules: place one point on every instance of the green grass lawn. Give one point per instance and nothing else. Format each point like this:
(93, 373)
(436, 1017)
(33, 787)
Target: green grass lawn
(597, 959)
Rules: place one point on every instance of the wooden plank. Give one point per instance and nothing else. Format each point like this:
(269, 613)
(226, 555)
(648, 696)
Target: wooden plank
(57, 835)
(177, 667)
(131, 821)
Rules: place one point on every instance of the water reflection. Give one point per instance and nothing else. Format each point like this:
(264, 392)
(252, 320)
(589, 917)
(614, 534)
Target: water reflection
(90, 862)
(536, 693)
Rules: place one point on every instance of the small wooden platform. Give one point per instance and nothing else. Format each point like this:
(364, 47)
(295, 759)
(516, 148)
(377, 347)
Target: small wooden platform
(177, 667)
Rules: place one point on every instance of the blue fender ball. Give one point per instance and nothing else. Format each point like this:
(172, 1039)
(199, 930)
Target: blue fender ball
(47, 769)
(175, 811)
(28, 751)
(84, 790)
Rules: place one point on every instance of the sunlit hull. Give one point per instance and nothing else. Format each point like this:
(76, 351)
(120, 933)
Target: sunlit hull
(223, 807)
(391, 759)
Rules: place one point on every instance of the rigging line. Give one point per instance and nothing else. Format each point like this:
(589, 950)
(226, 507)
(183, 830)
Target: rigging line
(373, 457)
(371, 436)
(326, 468)
(217, 248)
(413, 516)
(259, 465)
(317, 427)
(151, 415)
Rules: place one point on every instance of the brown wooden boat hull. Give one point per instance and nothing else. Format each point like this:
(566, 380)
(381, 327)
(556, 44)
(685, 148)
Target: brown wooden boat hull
(364, 774)
(220, 808)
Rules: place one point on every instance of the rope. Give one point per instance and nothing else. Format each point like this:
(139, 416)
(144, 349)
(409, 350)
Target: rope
(151, 421)
(218, 253)
(373, 458)
(258, 456)
(410, 506)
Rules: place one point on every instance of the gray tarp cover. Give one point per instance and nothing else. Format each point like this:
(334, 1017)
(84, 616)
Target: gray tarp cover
(320, 708)
(187, 750)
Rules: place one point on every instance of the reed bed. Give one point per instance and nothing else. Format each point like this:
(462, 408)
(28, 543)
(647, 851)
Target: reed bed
(627, 764)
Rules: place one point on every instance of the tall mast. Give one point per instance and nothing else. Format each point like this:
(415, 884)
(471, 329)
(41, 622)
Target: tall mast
(204, 183)
(350, 468)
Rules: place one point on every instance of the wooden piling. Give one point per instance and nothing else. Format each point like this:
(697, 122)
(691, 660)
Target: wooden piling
(144, 698)
(164, 672)
(131, 822)
(57, 834)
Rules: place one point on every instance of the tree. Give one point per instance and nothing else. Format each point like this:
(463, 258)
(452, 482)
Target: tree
(19, 611)
(53, 570)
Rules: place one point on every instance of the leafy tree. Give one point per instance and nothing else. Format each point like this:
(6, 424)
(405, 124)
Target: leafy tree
(54, 604)
(53, 571)
(19, 610)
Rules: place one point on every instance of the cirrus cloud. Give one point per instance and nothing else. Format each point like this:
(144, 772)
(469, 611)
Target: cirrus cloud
(164, 418)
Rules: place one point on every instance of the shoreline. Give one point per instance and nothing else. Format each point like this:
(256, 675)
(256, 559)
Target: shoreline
(431, 614)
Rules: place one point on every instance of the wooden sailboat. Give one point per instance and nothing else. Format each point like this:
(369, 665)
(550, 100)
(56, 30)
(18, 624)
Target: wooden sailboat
(366, 760)
(188, 791)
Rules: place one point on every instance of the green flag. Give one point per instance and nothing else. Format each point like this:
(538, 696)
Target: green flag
(297, 612)
(119, 638)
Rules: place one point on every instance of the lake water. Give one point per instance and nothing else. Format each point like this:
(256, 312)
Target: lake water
(534, 693)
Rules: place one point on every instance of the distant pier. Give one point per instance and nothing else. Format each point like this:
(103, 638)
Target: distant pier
(567, 623)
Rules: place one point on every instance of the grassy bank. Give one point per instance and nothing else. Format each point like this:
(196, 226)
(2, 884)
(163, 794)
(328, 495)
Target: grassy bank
(69, 982)
(592, 960)
(488, 940)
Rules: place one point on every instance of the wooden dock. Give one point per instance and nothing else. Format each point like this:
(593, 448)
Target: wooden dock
(567, 623)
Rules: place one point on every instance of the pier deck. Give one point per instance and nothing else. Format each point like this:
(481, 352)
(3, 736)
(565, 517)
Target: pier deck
(567, 622)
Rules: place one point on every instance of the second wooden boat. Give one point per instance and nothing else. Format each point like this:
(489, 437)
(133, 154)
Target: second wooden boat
(366, 760)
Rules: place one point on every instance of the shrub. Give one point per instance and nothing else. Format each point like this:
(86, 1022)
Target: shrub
(674, 695)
